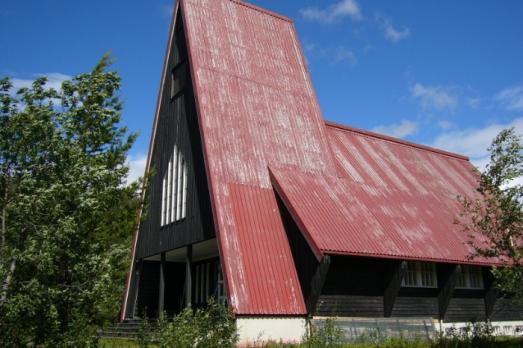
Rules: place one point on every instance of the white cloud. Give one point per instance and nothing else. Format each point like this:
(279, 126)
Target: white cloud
(473, 142)
(332, 55)
(344, 8)
(445, 124)
(136, 165)
(436, 97)
(345, 55)
(511, 98)
(54, 80)
(391, 33)
(474, 103)
(399, 130)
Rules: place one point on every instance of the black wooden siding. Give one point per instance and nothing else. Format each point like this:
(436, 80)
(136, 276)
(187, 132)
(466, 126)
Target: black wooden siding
(178, 125)
(147, 302)
(311, 273)
(355, 288)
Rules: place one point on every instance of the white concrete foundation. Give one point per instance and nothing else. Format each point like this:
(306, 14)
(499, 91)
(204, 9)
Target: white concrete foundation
(254, 331)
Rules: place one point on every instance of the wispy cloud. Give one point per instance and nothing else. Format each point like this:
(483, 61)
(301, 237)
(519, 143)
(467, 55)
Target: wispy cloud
(343, 54)
(473, 142)
(344, 8)
(511, 98)
(445, 124)
(54, 80)
(474, 103)
(390, 32)
(399, 130)
(332, 55)
(137, 165)
(434, 97)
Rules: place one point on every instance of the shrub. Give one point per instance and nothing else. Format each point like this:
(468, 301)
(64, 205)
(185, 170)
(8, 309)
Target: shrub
(328, 334)
(209, 327)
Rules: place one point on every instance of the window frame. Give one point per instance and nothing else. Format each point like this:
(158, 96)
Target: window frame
(420, 272)
(465, 278)
(179, 75)
(174, 190)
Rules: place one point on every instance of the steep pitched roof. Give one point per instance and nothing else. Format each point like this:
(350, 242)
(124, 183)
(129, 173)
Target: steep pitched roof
(256, 106)
(350, 191)
(388, 198)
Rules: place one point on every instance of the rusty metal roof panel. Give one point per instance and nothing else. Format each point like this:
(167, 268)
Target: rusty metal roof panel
(256, 106)
(350, 191)
(388, 198)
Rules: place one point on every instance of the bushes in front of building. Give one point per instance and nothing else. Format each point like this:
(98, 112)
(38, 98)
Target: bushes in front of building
(473, 335)
(214, 326)
(209, 327)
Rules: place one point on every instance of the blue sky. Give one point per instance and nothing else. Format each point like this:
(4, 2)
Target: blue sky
(442, 73)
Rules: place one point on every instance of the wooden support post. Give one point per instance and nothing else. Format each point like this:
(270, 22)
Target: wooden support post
(188, 277)
(317, 282)
(491, 292)
(393, 286)
(136, 289)
(447, 279)
(161, 295)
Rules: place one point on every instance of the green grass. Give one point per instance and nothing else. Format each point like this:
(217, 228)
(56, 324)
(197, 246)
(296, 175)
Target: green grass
(118, 343)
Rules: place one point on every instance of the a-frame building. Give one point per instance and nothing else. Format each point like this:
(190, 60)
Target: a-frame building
(259, 202)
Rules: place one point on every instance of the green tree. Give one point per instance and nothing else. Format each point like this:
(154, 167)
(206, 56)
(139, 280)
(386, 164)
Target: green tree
(494, 220)
(66, 212)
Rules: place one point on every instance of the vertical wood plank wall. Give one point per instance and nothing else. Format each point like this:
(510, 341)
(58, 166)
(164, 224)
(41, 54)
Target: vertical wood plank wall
(178, 125)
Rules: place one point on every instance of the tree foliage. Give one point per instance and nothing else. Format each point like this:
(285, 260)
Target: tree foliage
(494, 220)
(66, 212)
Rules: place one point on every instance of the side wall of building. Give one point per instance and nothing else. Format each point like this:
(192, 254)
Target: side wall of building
(355, 287)
(177, 126)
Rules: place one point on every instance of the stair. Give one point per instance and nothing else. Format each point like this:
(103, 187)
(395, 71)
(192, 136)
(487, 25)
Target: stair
(128, 329)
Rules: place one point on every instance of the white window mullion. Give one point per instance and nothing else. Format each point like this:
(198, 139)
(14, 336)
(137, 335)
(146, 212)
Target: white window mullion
(179, 189)
(184, 193)
(164, 189)
(174, 188)
(169, 190)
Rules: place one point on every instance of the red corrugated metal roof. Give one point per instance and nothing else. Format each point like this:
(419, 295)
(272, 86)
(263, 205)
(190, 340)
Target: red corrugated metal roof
(389, 198)
(256, 105)
(350, 191)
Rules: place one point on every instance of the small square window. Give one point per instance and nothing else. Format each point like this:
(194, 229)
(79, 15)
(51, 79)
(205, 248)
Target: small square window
(471, 277)
(420, 275)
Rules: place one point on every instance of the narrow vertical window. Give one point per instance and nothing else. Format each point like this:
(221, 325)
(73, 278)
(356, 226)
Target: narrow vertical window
(179, 189)
(184, 193)
(164, 192)
(174, 189)
(174, 175)
(169, 191)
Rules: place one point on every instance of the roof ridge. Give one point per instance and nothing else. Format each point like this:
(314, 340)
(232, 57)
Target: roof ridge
(395, 140)
(262, 10)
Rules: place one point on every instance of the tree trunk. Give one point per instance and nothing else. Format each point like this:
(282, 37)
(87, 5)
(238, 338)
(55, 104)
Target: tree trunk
(7, 282)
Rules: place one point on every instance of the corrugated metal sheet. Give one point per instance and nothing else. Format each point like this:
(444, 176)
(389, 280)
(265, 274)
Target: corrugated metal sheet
(350, 191)
(256, 106)
(388, 198)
